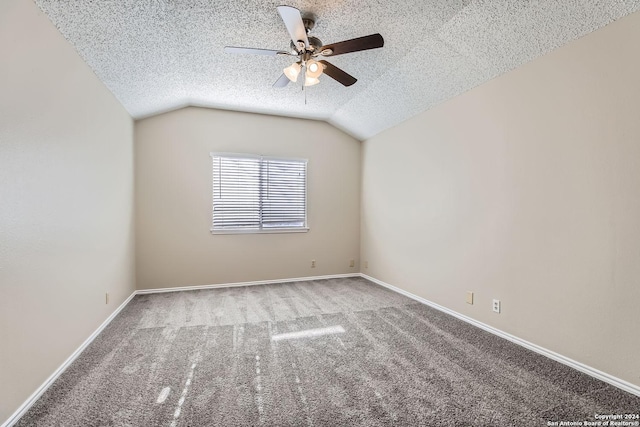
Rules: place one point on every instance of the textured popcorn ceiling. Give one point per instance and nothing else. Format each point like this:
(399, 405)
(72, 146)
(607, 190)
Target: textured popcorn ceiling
(157, 55)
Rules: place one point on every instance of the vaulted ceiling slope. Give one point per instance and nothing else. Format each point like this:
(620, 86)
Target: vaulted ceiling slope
(158, 55)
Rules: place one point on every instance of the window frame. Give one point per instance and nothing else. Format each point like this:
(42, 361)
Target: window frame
(269, 230)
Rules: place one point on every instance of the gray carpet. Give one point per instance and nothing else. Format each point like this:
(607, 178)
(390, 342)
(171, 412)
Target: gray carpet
(341, 352)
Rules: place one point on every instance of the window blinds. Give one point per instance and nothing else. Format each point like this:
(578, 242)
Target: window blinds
(256, 193)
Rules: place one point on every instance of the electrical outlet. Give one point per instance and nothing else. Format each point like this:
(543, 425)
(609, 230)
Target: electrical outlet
(366, 264)
(313, 263)
(106, 298)
(469, 297)
(352, 263)
(496, 305)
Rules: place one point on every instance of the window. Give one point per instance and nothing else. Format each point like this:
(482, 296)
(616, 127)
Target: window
(258, 194)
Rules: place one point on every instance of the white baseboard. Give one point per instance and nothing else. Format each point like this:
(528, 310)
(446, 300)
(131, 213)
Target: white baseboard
(616, 382)
(235, 284)
(603, 376)
(15, 417)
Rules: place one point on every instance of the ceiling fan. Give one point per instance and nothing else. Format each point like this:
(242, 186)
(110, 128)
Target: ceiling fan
(310, 49)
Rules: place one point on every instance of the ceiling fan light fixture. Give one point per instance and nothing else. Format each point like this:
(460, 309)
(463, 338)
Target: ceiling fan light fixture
(292, 71)
(310, 81)
(314, 69)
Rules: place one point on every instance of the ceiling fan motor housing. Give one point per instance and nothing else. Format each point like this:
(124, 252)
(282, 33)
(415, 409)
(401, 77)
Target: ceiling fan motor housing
(314, 44)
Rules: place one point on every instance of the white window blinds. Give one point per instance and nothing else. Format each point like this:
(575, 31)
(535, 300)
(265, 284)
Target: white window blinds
(254, 193)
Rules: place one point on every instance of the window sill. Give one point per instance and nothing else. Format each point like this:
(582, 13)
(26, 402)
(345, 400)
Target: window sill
(263, 231)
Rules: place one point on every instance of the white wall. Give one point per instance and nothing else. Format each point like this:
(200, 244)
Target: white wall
(525, 189)
(66, 190)
(174, 196)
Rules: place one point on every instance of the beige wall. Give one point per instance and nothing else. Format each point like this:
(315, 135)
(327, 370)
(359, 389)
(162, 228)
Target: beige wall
(66, 189)
(173, 199)
(525, 189)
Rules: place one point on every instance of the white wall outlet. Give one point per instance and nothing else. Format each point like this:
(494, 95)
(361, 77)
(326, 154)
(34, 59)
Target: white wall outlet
(313, 263)
(352, 263)
(469, 297)
(496, 305)
(106, 298)
(366, 264)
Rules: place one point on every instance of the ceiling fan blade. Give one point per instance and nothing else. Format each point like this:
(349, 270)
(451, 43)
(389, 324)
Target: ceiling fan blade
(338, 74)
(282, 81)
(293, 21)
(373, 41)
(254, 51)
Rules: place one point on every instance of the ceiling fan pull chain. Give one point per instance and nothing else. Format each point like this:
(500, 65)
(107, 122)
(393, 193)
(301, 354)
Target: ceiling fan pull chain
(304, 78)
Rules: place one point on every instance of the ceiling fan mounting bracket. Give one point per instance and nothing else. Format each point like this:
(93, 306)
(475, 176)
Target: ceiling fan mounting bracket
(309, 21)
